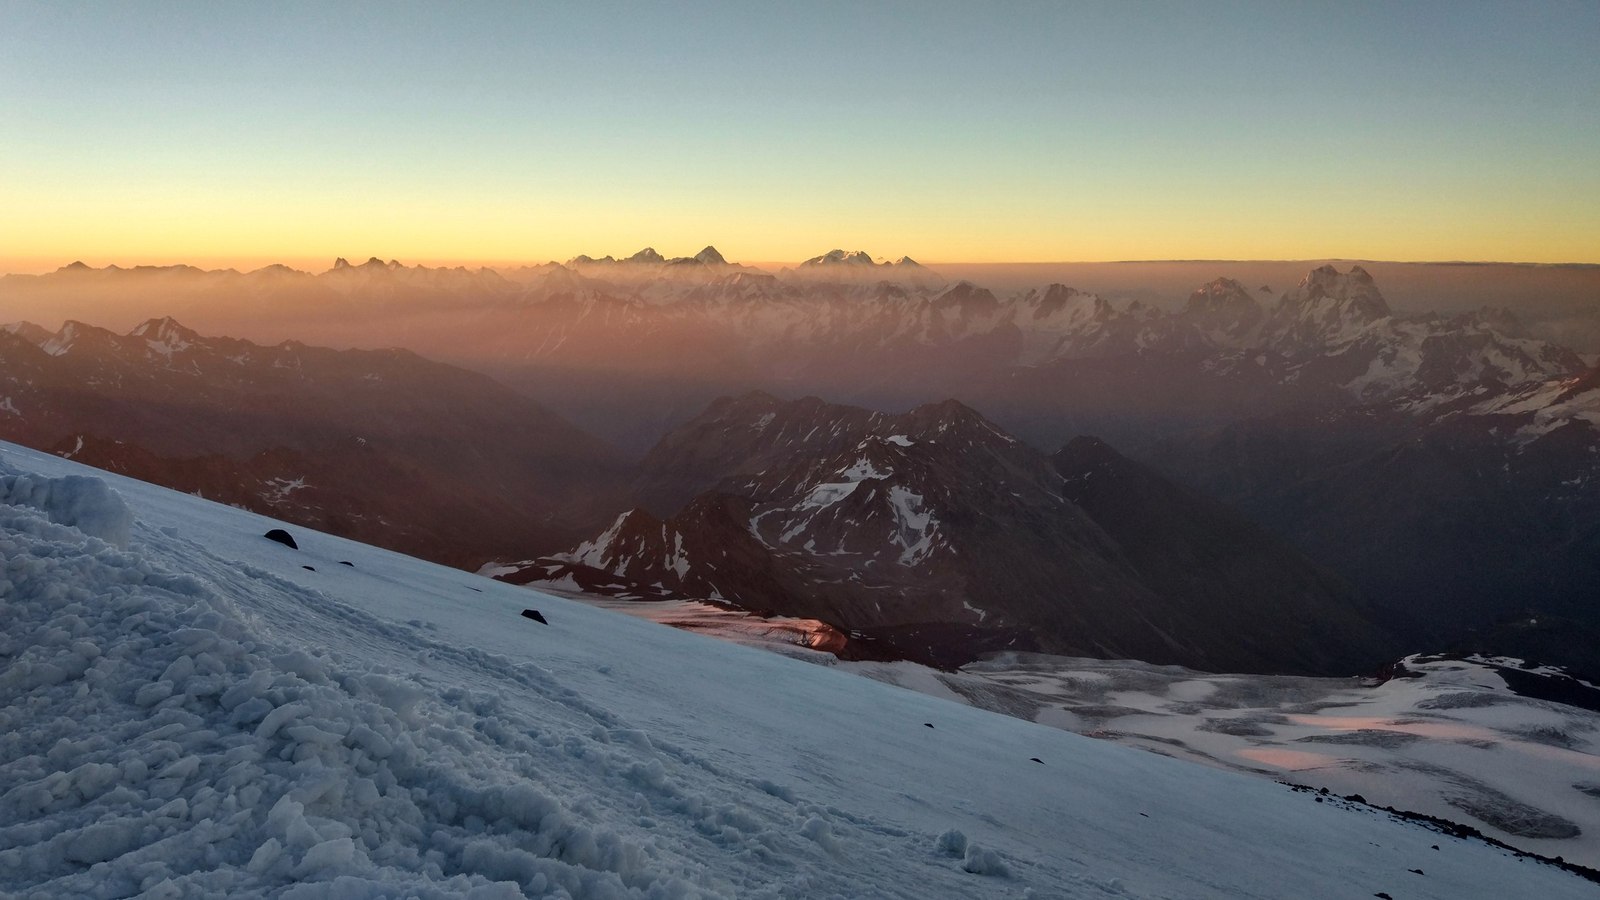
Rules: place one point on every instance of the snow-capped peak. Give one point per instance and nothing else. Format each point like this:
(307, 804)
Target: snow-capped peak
(710, 257)
(1329, 307)
(1354, 290)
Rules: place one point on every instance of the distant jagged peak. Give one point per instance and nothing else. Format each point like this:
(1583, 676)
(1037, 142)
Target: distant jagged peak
(842, 257)
(1055, 290)
(964, 289)
(1220, 294)
(967, 298)
(947, 410)
(859, 266)
(1085, 456)
(1355, 286)
(1225, 311)
(649, 259)
(1351, 296)
(165, 330)
(28, 331)
(373, 265)
(81, 268)
(1089, 445)
(74, 333)
(1057, 300)
(277, 271)
(950, 418)
(1221, 285)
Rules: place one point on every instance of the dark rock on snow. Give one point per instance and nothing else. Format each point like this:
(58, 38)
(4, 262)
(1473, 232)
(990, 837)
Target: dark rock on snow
(282, 537)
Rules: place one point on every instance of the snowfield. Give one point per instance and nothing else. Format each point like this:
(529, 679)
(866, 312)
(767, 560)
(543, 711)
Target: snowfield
(189, 709)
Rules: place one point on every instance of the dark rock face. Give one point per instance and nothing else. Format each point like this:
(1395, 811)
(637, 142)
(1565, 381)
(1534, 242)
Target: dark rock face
(936, 532)
(1274, 600)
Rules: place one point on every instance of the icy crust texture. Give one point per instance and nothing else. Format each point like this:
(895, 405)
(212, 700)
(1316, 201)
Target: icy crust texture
(82, 501)
(153, 740)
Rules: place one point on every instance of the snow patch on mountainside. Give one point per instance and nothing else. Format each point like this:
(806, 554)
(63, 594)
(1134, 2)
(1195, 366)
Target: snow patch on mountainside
(1547, 406)
(917, 531)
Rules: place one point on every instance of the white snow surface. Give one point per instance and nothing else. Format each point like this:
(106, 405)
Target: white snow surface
(81, 501)
(199, 715)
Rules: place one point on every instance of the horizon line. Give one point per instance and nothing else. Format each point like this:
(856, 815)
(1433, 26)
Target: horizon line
(497, 265)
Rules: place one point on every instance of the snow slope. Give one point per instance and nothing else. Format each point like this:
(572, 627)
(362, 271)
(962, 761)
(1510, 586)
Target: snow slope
(200, 714)
(1448, 738)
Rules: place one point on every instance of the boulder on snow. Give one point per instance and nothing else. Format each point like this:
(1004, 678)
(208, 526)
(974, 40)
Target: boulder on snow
(534, 615)
(282, 537)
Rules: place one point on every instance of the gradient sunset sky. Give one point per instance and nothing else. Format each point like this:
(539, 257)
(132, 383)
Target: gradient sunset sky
(240, 134)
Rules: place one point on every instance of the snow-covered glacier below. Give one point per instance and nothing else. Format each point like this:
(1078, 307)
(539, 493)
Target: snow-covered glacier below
(204, 712)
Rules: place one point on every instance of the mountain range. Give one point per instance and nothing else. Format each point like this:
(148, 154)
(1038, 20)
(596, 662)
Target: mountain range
(1440, 467)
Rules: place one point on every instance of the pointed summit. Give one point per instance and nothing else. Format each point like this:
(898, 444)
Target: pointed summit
(710, 257)
(1224, 310)
(165, 334)
(647, 255)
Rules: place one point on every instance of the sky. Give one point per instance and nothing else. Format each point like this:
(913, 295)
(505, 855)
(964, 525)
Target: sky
(242, 134)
